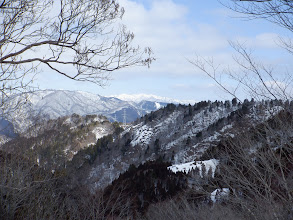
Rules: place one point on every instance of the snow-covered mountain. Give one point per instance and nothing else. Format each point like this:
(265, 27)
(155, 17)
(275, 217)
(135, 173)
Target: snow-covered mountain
(176, 133)
(175, 148)
(62, 137)
(153, 98)
(51, 104)
(179, 134)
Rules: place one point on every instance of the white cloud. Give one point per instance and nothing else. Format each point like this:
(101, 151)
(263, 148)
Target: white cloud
(165, 28)
(260, 41)
(182, 86)
(174, 11)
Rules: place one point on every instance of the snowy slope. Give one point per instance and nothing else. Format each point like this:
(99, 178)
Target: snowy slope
(187, 167)
(163, 133)
(62, 137)
(178, 134)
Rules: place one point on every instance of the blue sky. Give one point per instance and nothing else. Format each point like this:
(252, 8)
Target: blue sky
(177, 31)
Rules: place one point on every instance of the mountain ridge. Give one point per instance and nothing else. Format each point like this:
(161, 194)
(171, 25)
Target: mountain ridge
(51, 104)
(150, 97)
(176, 149)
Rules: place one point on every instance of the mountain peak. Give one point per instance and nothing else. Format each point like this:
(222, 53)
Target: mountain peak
(150, 97)
(52, 104)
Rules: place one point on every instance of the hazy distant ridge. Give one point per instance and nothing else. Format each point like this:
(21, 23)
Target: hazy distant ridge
(51, 104)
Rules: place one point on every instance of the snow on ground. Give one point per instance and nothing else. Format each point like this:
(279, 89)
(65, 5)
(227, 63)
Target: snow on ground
(187, 167)
(68, 121)
(142, 136)
(230, 126)
(99, 119)
(164, 125)
(218, 194)
(271, 112)
(99, 132)
(201, 121)
(158, 106)
(4, 139)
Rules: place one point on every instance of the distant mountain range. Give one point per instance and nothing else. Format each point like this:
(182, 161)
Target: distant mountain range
(51, 104)
(173, 150)
(177, 133)
(153, 98)
(101, 151)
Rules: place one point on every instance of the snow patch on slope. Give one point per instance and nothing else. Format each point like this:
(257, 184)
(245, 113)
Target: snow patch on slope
(158, 105)
(219, 194)
(187, 167)
(143, 135)
(200, 122)
(100, 132)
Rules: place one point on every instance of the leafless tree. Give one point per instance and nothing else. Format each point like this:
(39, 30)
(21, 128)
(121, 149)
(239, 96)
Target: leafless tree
(258, 169)
(251, 76)
(27, 191)
(79, 39)
(257, 165)
(181, 208)
(82, 40)
(276, 11)
(260, 81)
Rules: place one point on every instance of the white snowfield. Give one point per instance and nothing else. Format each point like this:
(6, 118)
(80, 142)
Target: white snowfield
(154, 98)
(187, 167)
(142, 136)
(100, 132)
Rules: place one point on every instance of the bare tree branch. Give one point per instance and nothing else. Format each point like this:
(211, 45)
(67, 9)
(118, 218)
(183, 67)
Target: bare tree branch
(81, 40)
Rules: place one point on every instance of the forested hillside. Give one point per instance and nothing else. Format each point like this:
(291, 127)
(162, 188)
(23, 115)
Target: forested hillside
(224, 154)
